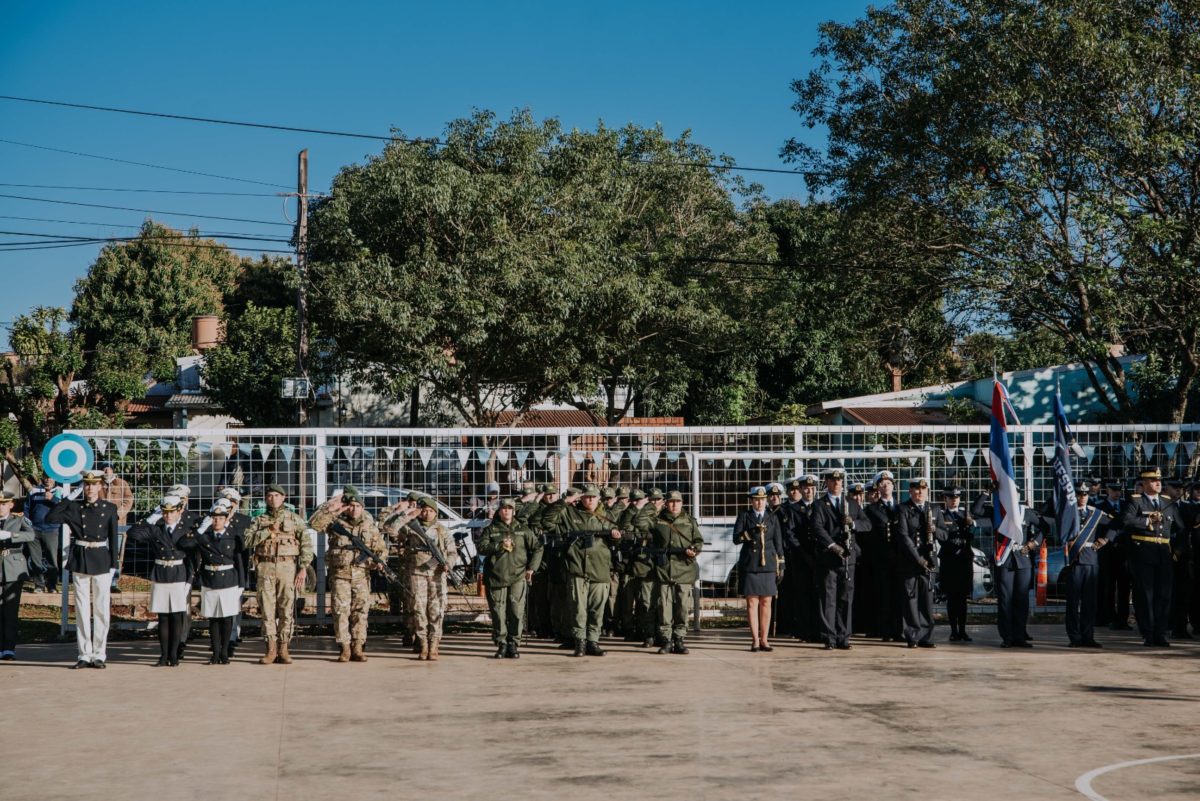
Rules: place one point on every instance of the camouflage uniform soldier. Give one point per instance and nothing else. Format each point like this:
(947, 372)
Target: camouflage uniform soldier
(675, 536)
(348, 569)
(392, 521)
(513, 554)
(283, 550)
(429, 577)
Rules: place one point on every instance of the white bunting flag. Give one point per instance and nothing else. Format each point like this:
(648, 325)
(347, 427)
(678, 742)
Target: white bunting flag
(1089, 453)
(183, 447)
(539, 457)
(969, 455)
(746, 463)
(390, 453)
(653, 458)
(635, 458)
(672, 456)
(950, 454)
(522, 458)
(164, 445)
(265, 450)
(423, 454)
(101, 444)
(122, 446)
(578, 456)
(1190, 447)
(598, 457)
(502, 457)
(1048, 452)
(464, 456)
(287, 451)
(728, 463)
(483, 454)
(348, 451)
(245, 450)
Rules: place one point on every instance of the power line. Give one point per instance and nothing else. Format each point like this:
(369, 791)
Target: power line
(155, 191)
(142, 164)
(376, 137)
(105, 224)
(157, 237)
(144, 211)
(23, 246)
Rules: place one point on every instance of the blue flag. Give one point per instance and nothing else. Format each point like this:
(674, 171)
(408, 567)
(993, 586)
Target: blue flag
(1066, 515)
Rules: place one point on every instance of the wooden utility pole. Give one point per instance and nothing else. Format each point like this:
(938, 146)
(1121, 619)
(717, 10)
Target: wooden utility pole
(302, 270)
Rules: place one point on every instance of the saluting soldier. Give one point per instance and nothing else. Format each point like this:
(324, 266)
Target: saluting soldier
(1083, 568)
(349, 569)
(512, 553)
(881, 571)
(282, 547)
(639, 569)
(171, 576)
(761, 554)
(15, 531)
(587, 530)
(918, 536)
(677, 541)
(836, 522)
(1155, 530)
(222, 549)
(429, 576)
(956, 571)
(93, 526)
(1014, 578)
(541, 620)
(238, 525)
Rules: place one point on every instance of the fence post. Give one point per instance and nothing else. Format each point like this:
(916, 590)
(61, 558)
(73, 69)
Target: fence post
(695, 608)
(320, 494)
(564, 461)
(1027, 461)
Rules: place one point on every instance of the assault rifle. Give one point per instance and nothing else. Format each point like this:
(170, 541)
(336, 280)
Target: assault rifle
(360, 546)
(428, 543)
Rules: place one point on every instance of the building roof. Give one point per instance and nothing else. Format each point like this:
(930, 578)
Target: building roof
(190, 400)
(147, 405)
(898, 416)
(549, 418)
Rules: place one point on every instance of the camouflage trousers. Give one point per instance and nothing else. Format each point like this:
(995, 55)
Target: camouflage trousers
(429, 604)
(277, 599)
(351, 593)
(506, 603)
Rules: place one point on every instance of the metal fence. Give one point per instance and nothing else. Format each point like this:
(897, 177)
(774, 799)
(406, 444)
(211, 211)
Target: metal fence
(712, 467)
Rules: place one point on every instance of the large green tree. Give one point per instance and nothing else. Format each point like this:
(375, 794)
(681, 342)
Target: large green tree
(1049, 150)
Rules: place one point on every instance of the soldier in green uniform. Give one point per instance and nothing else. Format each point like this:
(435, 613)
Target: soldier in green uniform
(391, 521)
(540, 619)
(527, 504)
(644, 568)
(587, 530)
(562, 599)
(627, 592)
(282, 549)
(513, 553)
(348, 570)
(676, 540)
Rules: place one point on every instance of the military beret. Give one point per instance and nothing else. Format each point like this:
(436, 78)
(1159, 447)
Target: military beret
(426, 502)
(7, 497)
(775, 488)
(549, 489)
(608, 493)
(1150, 473)
(93, 477)
(171, 503)
(674, 495)
(757, 492)
(350, 495)
(275, 488)
(834, 475)
(918, 483)
(637, 494)
(622, 492)
(507, 503)
(951, 491)
(591, 491)
(655, 494)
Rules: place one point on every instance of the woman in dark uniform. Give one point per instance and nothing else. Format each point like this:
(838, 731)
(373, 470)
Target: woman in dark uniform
(170, 580)
(761, 539)
(957, 558)
(221, 550)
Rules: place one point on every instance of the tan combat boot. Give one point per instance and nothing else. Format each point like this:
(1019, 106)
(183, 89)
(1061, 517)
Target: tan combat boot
(284, 657)
(269, 656)
(344, 656)
(424, 652)
(433, 650)
(356, 653)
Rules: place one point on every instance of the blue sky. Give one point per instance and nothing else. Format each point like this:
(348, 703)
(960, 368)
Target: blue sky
(721, 70)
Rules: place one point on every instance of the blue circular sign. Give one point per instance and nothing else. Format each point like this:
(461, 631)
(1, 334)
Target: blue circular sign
(66, 457)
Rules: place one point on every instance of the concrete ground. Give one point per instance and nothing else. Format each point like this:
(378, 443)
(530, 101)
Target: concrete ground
(878, 722)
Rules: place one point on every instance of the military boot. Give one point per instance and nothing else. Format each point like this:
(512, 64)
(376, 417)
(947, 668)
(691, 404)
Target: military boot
(513, 653)
(666, 647)
(423, 645)
(433, 650)
(648, 642)
(344, 656)
(501, 651)
(356, 652)
(270, 655)
(594, 649)
(679, 647)
(579, 648)
(284, 657)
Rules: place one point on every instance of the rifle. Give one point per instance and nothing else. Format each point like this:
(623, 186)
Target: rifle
(360, 546)
(428, 543)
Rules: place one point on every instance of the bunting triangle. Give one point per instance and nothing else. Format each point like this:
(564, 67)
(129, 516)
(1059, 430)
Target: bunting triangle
(390, 453)
(424, 454)
(522, 458)
(1169, 448)
(502, 457)
(652, 458)
(1190, 447)
(691, 459)
(287, 451)
(1048, 452)
(101, 444)
(1148, 449)
(615, 457)
(245, 450)
(987, 456)
(1128, 452)
(183, 447)
(728, 463)
(539, 457)
(348, 451)
(578, 456)
(369, 453)
(330, 451)
(265, 450)
(598, 457)
(969, 455)
(672, 456)
(1089, 453)
(482, 454)
(635, 458)
(950, 454)
(122, 446)
(164, 445)
(912, 461)
(746, 463)
(464, 456)
(204, 447)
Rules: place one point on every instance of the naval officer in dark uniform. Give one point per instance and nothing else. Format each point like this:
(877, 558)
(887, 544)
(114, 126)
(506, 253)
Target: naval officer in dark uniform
(93, 527)
(1155, 530)
(956, 571)
(1014, 578)
(837, 520)
(919, 534)
(761, 538)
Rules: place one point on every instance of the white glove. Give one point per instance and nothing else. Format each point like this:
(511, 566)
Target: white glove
(204, 525)
(75, 493)
(155, 516)
(5, 535)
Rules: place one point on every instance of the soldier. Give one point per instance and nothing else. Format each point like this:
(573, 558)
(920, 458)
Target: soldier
(562, 596)
(349, 569)
(1113, 609)
(391, 522)
(646, 600)
(15, 531)
(787, 607)
(541, 621)
(836, 521)
(1191, 519)
(957, 557)
(45, 552)
(586, 529)
(171, 576)
(222, 549)
(527, 504)
(512, 553)
(1014, 578)
(238, 525)
(282, 548)
(636, 622)
(93, 526)
(1082, 567)
(1183, 588)
(758, 563)
(429, 575)
(612, 621)
(676, 539)
(1157, 539)
(801, 545)
(918, 534)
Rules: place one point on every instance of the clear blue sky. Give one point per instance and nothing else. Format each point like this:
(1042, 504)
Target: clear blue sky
(720, 69)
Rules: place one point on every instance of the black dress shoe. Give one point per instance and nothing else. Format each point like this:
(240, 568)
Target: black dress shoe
(1023, 644)
(1074, 645)
(81, 664)
(1006, 644)
(98, 665)
(501, 652)
(765, 648)
(911, 644)
(1092, 644)
(925, 644)
(162, 662)
(214, 660)
(1147, 644)
(845, 646)
(754, 648)
(964, 637)
(954, 636)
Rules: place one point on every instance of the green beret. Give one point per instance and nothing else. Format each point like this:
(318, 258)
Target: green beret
(674, 495)
(350, 495)
(426, 502)
(275, 488)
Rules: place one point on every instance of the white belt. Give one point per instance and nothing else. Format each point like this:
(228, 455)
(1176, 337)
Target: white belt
(168, 562)
(86, 544)
(218, 568)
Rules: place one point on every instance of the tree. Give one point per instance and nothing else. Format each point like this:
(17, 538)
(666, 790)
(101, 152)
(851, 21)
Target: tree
(133, 309)
(1049, 148)
(243, 373)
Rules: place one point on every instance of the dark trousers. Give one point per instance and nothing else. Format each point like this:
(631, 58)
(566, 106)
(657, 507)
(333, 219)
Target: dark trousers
(869, 591)
(956, 611)
(1081, 603)
(1182, 591)
(1012, 598)
(1152, 578)
(45, 558)
(895, 600)
(539, 605)
(10, 606)
(786, 606)
(220, 632)
(918, 608)
(1114, 587)
(170, 625)
(836, 600)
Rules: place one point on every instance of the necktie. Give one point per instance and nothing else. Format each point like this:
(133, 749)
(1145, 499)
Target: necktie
(1154, 502)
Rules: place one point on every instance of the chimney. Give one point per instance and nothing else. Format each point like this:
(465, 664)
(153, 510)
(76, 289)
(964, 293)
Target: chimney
(206, 332)
(897, 374)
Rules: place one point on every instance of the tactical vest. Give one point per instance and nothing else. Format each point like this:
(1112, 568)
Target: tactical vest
(283, 543)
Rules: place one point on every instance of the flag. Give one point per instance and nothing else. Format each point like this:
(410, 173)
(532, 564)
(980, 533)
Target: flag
(1007, 514)
(1066, 515)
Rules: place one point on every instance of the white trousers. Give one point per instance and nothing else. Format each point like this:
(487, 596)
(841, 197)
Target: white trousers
(92, 614)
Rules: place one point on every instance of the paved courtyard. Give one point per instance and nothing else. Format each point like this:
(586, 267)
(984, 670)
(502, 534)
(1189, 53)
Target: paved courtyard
(877, 722)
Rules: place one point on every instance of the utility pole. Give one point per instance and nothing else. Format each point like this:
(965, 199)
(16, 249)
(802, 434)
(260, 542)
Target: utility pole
(302, 270)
